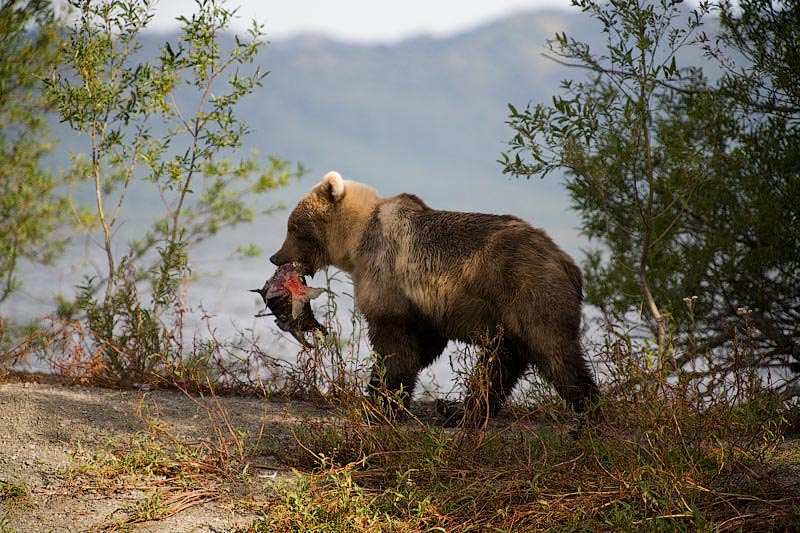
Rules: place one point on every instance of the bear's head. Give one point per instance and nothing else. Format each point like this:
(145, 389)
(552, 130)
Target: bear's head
(327, 224)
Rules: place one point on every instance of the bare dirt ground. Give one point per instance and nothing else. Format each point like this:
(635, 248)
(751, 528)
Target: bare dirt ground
(44, 425)
(48, 430)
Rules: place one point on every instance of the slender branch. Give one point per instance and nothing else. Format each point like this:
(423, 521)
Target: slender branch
(10, 268)
(615, 74)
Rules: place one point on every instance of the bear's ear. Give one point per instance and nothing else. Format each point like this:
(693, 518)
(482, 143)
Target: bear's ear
(333, 186)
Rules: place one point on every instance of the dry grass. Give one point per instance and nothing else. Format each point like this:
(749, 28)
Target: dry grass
(667, 452)
(628, 473)
(664, 455)
(174, 473)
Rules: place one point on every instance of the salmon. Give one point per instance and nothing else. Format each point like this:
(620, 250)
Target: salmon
(288, 299)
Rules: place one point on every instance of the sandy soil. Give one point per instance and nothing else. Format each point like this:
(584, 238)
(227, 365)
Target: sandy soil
(48, 429)
(42, 425)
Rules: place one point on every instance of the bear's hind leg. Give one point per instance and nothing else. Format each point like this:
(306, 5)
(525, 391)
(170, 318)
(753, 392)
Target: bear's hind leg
(499, 368)
(565, 366)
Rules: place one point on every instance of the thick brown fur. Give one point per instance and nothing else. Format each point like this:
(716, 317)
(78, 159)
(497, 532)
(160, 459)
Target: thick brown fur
(423, 277)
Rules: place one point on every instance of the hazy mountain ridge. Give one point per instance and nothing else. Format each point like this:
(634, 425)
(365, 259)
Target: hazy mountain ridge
(422, 109)
(425, 115)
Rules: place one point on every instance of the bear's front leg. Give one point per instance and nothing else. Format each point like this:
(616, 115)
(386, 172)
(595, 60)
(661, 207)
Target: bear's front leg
(402, 349)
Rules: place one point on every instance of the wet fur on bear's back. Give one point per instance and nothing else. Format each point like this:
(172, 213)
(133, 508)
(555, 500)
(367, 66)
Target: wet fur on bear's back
(467, 273)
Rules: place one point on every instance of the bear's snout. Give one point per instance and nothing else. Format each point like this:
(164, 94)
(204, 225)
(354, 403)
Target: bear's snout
(285, 255)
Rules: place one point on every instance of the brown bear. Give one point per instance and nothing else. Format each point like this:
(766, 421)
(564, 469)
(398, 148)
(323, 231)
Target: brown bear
(423, 277)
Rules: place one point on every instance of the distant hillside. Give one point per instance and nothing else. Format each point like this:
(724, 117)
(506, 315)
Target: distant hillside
(424, 107)
(425, 115)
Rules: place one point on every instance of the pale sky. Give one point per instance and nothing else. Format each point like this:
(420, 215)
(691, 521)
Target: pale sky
(360, 21)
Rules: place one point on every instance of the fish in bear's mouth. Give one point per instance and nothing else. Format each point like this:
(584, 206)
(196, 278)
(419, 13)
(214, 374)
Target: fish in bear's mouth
(288, 299)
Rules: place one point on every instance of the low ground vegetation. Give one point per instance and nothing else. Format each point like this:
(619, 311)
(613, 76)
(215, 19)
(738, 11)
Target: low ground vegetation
(696, 453)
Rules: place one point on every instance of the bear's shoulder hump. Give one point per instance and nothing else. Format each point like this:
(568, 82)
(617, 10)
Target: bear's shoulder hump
(410, 200)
